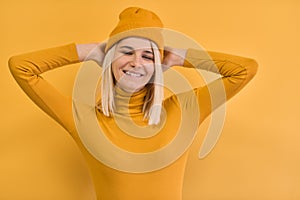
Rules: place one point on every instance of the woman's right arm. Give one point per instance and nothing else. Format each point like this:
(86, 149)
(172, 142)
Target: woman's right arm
(27, 70)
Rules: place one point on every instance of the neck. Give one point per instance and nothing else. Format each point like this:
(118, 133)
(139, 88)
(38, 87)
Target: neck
(129, 103)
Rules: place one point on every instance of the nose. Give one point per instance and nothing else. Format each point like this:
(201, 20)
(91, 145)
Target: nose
(136, 61)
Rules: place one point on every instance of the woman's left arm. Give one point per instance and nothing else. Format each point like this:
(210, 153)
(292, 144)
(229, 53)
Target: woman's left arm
(236, 72)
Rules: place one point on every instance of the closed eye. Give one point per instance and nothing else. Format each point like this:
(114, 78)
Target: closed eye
(127, 52)
(148, 57)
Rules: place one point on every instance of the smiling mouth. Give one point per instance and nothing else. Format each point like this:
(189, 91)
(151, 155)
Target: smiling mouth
(132, 74)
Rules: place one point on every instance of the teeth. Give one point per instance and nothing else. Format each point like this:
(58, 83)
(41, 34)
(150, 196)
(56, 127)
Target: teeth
(133, 74)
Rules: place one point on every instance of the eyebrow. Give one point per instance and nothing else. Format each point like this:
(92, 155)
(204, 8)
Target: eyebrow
(132, 49)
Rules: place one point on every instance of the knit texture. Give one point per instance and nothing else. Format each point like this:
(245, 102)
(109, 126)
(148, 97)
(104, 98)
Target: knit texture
(137, 22)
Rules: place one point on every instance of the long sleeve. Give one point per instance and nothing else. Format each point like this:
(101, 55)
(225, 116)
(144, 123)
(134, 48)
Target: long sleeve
(235, 73)
(27, 70)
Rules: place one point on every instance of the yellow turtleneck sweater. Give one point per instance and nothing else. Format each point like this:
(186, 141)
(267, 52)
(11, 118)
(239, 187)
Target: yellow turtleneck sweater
(130, 165)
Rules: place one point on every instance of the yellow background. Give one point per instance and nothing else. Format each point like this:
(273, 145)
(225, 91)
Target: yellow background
(258, 154)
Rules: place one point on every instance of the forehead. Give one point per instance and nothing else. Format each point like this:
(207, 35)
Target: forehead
(135, 43)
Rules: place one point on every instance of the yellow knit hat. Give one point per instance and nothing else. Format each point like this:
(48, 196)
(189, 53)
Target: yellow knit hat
(138, 22)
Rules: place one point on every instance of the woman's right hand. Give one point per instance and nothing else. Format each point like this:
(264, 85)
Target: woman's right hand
(91, 51)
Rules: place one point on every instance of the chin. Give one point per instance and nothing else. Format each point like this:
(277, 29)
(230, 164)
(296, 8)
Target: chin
(131, 89)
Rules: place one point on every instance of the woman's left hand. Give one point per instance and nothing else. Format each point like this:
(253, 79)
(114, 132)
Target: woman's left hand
(173, 57)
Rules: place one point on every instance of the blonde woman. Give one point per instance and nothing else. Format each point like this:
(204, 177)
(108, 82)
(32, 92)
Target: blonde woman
(139, 145)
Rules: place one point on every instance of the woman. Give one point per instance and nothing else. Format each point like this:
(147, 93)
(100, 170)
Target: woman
(140, 146)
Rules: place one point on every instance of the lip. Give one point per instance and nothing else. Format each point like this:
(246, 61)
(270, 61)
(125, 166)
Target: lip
(135, 74)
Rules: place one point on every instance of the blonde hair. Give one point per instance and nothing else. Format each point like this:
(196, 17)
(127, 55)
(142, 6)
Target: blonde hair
(153, 100)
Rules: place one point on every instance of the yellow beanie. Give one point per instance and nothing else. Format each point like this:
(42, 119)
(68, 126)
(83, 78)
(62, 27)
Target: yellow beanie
(138, 22)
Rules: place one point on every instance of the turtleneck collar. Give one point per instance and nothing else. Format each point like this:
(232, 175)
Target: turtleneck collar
(129, 103)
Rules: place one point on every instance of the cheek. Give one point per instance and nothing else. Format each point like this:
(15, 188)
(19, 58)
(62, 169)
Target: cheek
(150, 70)
(117, 65)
